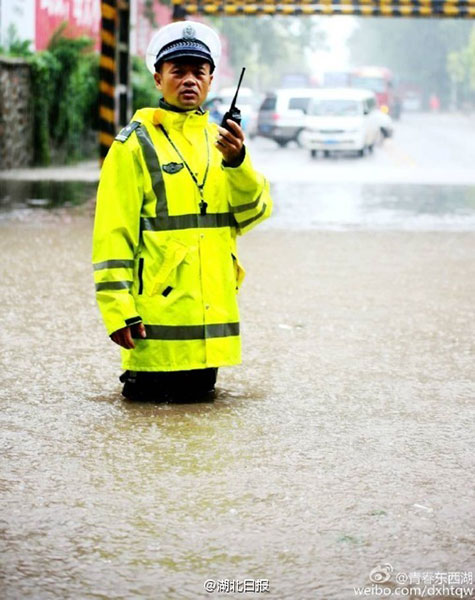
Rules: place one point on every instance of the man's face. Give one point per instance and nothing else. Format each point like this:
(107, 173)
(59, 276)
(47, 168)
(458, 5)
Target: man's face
(184, 83)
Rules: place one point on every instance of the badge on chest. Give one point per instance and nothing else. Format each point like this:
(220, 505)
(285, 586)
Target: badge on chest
(172, 168)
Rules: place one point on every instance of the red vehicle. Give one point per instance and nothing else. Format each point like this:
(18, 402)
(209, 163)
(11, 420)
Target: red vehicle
(380, 81)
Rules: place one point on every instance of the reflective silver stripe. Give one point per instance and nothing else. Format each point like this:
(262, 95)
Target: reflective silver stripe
(114, 264)
(244, 207)
(113, 285)
(191, 332)
(164, 222)
(254, 218)
(192, 221)
(153, 165)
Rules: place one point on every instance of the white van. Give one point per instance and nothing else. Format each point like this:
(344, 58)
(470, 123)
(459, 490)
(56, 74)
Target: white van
(341, 119)
(282, 114)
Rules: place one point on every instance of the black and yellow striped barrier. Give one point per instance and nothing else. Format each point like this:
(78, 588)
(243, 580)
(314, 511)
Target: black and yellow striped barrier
(107, 76)
(114, 71)
(462, 9)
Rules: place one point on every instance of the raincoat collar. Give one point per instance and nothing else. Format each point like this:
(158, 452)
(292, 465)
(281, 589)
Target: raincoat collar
(165, 105)
(171, 119)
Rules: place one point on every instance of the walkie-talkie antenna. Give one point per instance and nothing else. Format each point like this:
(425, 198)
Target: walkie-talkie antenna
(233, 114)
(233, 103)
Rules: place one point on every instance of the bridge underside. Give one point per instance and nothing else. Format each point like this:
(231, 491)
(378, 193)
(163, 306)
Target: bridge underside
(462, 9)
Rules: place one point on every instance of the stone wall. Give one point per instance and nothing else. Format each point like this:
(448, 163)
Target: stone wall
(16, 119)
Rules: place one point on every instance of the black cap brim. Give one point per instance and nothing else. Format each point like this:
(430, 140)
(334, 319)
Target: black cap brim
(182, 49)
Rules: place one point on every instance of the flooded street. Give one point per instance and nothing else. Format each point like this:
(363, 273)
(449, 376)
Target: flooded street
(344, 441)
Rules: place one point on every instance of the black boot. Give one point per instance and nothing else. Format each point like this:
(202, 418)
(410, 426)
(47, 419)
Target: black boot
(141, 386)
(193, 386)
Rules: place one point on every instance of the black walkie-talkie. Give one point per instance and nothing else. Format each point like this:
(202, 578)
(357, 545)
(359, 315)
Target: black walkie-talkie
(233, 114)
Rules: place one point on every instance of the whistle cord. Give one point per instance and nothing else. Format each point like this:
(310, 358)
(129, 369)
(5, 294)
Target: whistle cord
(200, 186)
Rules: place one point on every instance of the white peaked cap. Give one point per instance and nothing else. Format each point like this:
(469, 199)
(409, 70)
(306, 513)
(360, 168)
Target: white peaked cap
(182, 39)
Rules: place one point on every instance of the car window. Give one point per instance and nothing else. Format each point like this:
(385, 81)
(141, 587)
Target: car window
(335, 108)
(299, 104)
(269, 103)
(375, 84)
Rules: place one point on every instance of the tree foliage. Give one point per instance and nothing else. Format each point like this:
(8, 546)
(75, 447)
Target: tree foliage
(461, 68)
(144, 92)
(64, 87)
(269, 47)
(73, 104)
(415, 50)
(14, 46)
(64, 81)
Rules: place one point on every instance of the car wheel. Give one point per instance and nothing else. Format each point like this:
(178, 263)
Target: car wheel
(298, 139)
(326, 153)
(282, 143)
(361, 151)
(313, 154)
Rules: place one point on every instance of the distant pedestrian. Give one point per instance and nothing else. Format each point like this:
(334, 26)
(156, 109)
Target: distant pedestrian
(175, 191)
(434, 103)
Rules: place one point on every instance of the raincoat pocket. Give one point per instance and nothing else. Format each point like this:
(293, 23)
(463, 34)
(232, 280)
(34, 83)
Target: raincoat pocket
(165, 278)
(239, 271)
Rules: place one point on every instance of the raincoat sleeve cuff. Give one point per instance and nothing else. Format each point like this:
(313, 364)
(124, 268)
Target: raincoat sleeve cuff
(133, 321)
(238, 162)
(113, 327)
(120, 312)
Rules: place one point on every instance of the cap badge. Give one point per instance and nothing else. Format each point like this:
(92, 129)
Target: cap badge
(188, 32)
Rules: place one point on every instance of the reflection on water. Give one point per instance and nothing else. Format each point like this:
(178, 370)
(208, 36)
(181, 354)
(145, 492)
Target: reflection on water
(304, 206)
(43, 194)
(356, 206)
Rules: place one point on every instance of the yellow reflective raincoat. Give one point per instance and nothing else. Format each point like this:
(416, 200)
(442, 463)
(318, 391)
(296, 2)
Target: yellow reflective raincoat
(164, 253)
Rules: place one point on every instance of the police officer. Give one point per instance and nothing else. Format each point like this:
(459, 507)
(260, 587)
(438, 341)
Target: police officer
(175, 191)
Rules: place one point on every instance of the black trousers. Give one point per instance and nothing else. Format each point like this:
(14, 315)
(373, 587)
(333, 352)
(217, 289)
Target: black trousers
(169, 386)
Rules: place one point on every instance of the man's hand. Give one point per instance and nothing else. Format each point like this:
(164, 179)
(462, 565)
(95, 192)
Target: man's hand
(230, 143)
(123, 336)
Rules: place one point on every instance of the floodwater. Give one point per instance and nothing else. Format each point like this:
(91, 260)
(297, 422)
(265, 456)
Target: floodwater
(16, 194)
(342, 443)
(345, 206)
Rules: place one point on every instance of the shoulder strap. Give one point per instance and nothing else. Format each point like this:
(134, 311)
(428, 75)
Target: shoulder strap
(126, 132)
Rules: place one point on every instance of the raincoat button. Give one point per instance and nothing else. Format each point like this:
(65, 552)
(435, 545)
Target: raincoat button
(207, 306)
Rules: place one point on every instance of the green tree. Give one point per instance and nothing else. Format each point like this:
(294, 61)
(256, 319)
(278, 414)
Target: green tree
(144, 92)
(461, 68)
(73, 106)
(269, 47)
(415, 50)
(65, 80)
(14, 46)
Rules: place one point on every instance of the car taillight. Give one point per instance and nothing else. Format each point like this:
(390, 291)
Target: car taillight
(275, 116)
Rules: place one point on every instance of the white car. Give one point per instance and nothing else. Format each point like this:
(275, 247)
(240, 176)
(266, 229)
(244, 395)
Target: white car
(282, 114)
(341, 119)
